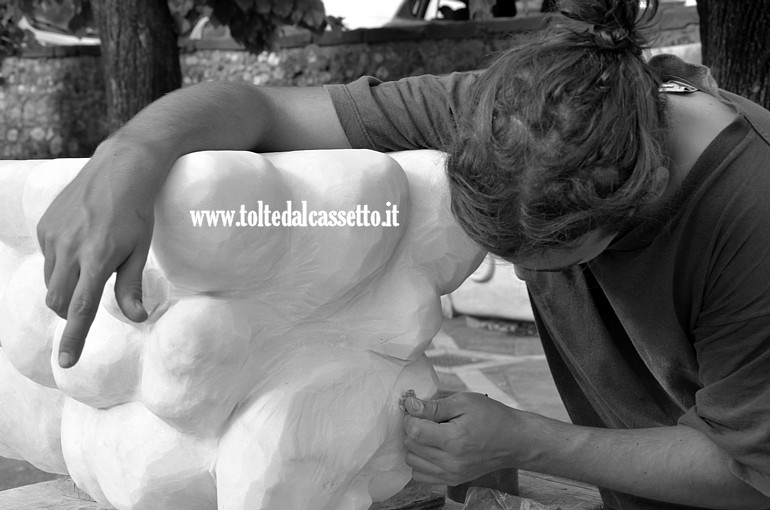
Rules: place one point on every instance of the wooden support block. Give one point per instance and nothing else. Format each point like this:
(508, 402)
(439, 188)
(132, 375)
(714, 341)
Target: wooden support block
(414, 496)
(63, 494)
(555, 492)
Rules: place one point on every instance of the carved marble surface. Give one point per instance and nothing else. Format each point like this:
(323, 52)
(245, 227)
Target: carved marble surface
(268, 373)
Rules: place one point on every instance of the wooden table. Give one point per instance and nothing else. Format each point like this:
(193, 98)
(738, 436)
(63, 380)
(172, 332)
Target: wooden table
(554, 492)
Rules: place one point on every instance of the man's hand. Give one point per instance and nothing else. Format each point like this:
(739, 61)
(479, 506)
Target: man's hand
(458, 438)
(461, 437)
(102, 222)
(99, 224)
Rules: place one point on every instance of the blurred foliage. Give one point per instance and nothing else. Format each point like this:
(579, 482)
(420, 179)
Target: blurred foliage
(253, 23)
(11, 36)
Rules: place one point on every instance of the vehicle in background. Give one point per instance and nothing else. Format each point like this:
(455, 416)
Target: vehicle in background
(49, 37)
(358, 14)
(354, 13)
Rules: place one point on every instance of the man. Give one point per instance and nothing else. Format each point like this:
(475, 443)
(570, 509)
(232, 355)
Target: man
(658, 454)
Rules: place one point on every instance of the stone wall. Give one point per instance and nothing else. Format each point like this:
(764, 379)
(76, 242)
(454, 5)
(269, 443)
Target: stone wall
(51, 105)
(52, 101)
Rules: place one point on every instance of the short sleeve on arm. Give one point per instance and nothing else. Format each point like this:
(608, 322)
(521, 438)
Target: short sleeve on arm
(413, 113)
(733, 407)
(732, 336)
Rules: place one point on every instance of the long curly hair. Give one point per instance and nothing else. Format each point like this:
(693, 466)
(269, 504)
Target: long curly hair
(563, 133)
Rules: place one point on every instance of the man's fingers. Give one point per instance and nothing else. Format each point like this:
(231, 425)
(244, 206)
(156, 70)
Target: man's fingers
(435, 410)
(128, 286)
(426, 471)
(61, 285)
(49, 263)
(80, 315)
(432, 453)
(426, 432)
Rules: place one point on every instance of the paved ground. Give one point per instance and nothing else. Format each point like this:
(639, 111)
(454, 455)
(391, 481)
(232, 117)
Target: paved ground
(503, 360)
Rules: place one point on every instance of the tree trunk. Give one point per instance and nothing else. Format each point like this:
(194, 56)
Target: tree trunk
(735, 38)
(140, 56)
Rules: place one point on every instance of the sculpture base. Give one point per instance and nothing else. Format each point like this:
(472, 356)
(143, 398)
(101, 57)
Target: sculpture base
(551, 491)
(414, 496)
(63, 494)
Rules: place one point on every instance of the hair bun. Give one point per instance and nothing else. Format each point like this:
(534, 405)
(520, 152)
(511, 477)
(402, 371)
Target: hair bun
(612, 38)
(610, 24)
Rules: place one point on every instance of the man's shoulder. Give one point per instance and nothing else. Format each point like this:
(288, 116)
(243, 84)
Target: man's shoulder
(672, 67)
(417, 112)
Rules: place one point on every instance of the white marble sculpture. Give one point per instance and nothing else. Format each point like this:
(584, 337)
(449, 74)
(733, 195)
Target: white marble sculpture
(269, 371)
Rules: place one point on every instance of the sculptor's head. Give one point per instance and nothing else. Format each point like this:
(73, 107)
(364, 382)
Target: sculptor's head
(562, 141)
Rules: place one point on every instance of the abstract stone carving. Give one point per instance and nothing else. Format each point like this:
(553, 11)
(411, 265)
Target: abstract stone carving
(268, 373)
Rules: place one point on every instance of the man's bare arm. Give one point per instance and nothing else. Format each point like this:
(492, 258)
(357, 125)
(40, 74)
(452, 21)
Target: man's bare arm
(102, 221)
(463, 436)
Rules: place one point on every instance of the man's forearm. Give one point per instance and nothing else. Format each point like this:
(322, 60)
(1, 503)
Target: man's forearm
(232, 116)
(671, 464)
(205, 116)
(102, 221)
